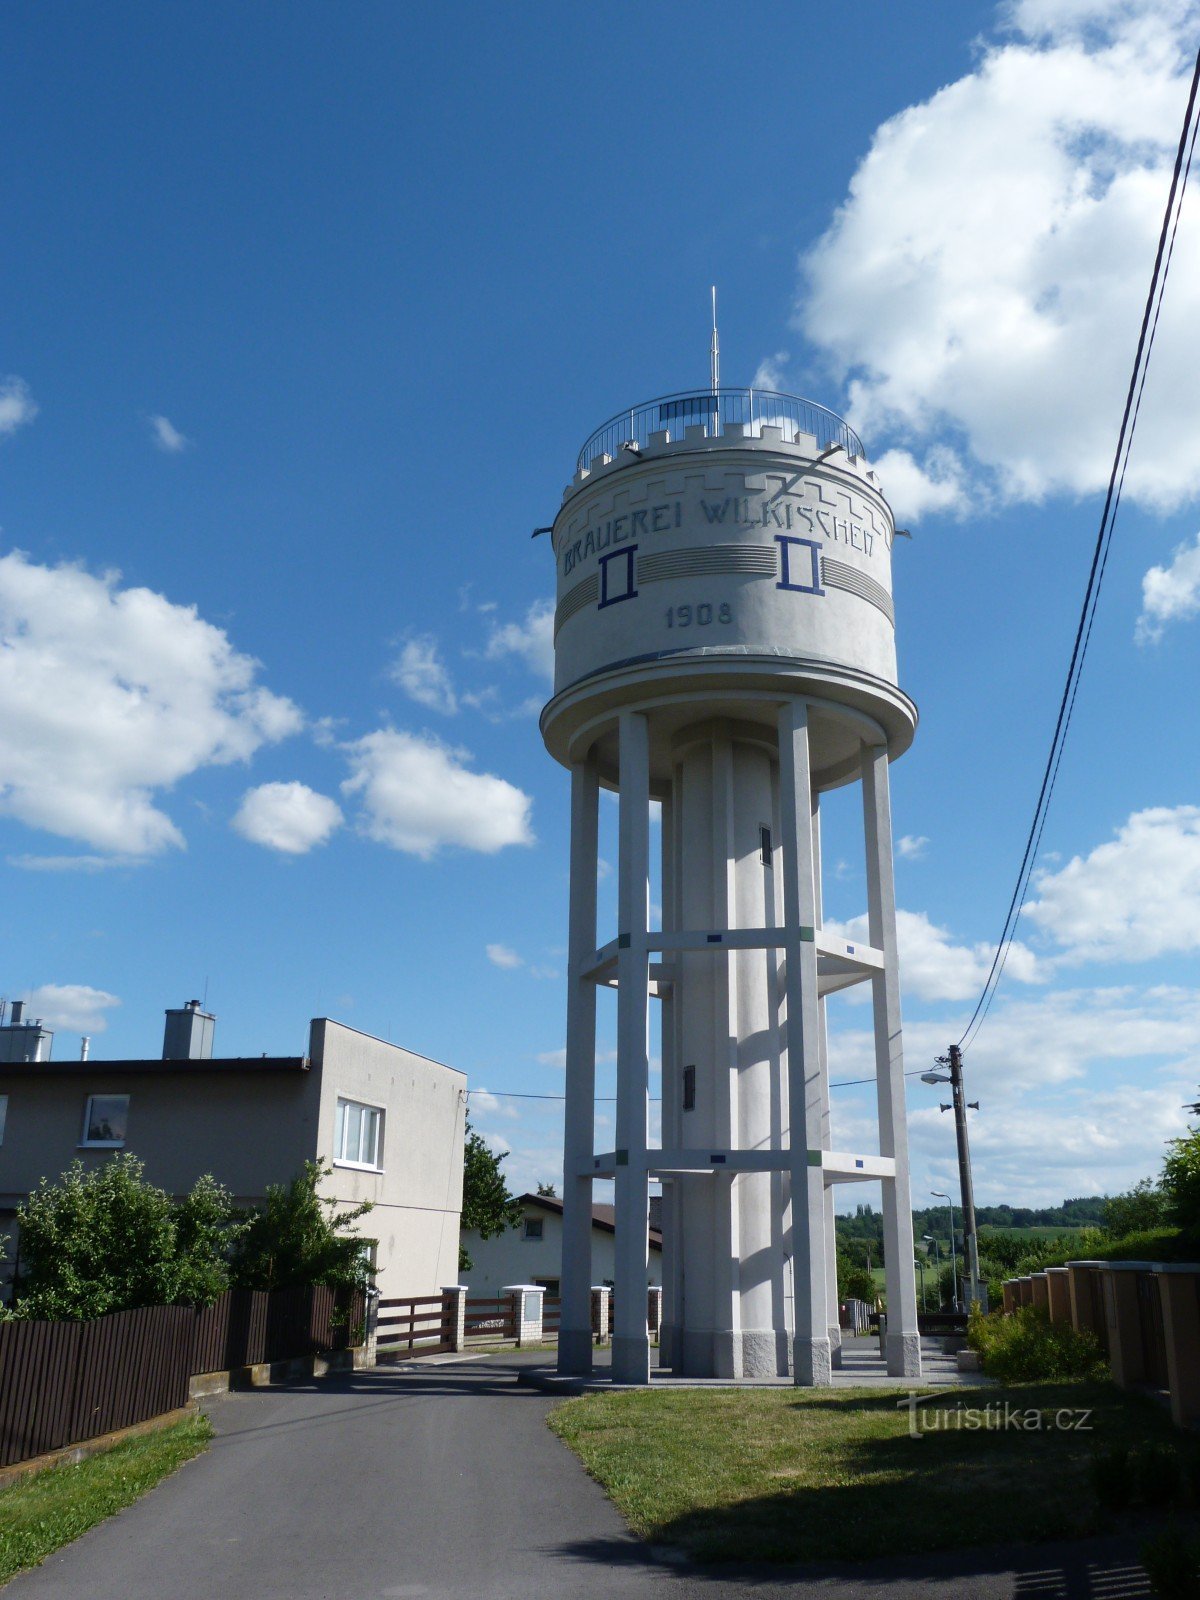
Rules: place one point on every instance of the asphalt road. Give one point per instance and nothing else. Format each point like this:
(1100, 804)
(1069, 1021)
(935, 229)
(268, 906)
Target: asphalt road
(428, 1482)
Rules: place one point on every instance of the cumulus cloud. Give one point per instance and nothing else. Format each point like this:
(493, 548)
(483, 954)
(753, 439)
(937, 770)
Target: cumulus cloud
(530, 640)
(932, 966)
(911, 847)
(419, 795)
(420, 671)
(1170, 594)
(108, 695)
(770, 373)
(289, 817)
(914, 490)
(17, 405)
(167, 436)
(1134, 897)
(986, 273)
(75, 1006)
(501, 956)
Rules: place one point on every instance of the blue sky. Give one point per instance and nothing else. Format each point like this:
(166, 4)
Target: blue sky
(308, 312)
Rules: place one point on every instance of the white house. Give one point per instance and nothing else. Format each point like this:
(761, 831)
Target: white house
(532, 1251)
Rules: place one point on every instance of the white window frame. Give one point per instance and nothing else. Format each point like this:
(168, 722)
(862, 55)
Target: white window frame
(339, 1160)
(102, 1144)
(535, 1222)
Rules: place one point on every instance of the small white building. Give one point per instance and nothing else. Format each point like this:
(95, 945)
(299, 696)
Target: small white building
(532, 1251)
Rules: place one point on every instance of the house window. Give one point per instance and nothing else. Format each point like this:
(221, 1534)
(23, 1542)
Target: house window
(533, 1227)
(764, 846)
(358, 1135)
(105, 1119)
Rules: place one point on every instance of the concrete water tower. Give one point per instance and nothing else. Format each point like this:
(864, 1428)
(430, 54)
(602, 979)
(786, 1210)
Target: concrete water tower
(725, 645)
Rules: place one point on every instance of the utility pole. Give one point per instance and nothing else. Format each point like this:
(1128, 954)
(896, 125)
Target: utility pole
(970, 1237)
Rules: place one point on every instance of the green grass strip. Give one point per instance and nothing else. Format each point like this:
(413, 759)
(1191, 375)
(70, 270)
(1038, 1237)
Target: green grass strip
(784, 1475)
(48, 1509)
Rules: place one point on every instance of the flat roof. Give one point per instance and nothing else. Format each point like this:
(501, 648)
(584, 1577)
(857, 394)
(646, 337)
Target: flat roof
(186, 1065)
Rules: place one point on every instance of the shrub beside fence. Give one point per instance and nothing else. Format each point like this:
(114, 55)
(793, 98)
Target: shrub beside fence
(62, 1383)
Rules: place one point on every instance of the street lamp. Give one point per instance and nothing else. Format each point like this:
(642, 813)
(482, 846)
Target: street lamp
(928, 1238)
(921, 1263)
(954, 1077)
(938, 1195)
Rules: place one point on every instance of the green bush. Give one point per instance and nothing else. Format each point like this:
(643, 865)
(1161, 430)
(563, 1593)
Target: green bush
(1159, 1475)
(1026, 1347)
(106, 1240)
(1112, 1478)
(298, 1238)
(1172, 1563)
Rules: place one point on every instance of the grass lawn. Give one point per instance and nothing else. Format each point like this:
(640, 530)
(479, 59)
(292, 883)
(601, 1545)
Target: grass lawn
(787, 1475)
(50, 1508)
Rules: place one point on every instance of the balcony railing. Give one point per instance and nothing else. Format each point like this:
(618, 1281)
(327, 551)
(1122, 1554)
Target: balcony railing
(714, 410)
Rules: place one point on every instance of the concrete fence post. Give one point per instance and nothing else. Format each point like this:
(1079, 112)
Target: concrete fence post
(1039, 1292)
(1058, 1291)
(601, 1295)
(371, 1328)
(654, 1300)
(1179, 1287)
(1085, 1314)
(527, 1312)
(1126, 1356)
(1009, 1290)
(454, 1316)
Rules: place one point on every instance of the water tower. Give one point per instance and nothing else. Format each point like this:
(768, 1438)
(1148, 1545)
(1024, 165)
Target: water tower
(725, 645)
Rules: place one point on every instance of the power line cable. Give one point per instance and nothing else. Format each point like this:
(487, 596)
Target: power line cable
(1116, 480)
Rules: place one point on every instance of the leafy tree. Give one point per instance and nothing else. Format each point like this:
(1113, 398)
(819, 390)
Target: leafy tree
(860, 1285)
(1142, 1207)
(296, 1238)
(106, 1240)
(1181, 1182)
(548, 1190)
(488, 1207)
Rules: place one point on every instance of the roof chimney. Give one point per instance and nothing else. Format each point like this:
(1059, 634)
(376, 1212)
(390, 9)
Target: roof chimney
(188, 1035)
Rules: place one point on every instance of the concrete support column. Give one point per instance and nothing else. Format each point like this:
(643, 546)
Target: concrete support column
(1058, 1294)
(1180, 1291)
(811, 1355)
(454, 1316)
(831, 1289)
(601, 1326)
(671, 1315)
(903, 1335)
(631, 1346)
(574, 1337)
(527, 1311)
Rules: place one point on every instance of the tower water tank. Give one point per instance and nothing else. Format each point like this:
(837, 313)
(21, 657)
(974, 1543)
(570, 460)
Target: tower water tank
(725, 645)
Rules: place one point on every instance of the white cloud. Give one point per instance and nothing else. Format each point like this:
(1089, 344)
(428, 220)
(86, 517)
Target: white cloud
(418, 795)
(913, 490)
(74, 1006)
(32, 863)
(289, 817)
(17, 405)
(769, 374)
(531, 640)
(421, 673)
(501, 956)
(1170, 594)
(911, 847)
(932, 967)
(167, 436)
(987, 270)
(553, 1058)
(1135, 897)
(108, 695)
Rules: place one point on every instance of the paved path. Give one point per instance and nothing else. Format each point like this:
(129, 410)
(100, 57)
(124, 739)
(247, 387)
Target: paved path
(442, 1482)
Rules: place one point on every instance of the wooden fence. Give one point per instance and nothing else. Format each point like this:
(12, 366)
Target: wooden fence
(490, 1319)
(64, 1382)
(419, 1326)
(551, 1315)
